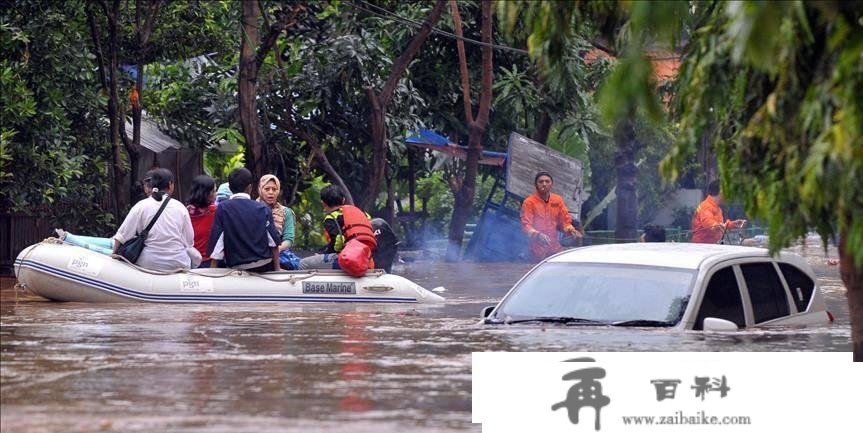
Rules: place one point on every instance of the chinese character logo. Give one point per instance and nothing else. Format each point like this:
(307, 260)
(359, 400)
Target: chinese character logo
(665, 388)
(587, 392)
(703, 385)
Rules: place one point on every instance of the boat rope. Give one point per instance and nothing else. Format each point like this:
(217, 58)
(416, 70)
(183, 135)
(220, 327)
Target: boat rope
(145, 270)
(285, 276)
(291, 278)
(23, 287)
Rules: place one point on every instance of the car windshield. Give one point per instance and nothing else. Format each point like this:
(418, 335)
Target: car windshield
(613, 294)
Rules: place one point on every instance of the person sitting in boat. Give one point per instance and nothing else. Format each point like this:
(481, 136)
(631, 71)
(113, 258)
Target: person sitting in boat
(223, 193)
(269, 189)
(343, 223)
(202, 211)
(101, 245)
(388, 244)
(170, 242)
(244, 234)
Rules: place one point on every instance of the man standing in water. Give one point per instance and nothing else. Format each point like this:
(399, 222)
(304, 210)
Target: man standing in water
(708, 224)
(543, 213)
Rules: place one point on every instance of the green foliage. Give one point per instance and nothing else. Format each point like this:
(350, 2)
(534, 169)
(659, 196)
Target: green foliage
(52, 145)
(194, 100)
(550, 24)
(218, 164)
(516, 94)
(573, 137)
(785, 114)
(310, 216)
(435, 190)
(182, 30)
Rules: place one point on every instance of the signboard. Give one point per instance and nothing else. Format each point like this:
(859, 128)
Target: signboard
(329, 288)
(527, 157)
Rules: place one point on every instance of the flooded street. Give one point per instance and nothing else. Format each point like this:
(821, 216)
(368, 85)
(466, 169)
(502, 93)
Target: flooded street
(306, 367)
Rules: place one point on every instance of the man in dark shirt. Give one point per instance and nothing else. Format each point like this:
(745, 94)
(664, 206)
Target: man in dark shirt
(243, 234)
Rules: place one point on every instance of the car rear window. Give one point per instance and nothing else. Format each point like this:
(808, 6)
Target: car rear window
(765, 291)
(721, 300)
(800, 284)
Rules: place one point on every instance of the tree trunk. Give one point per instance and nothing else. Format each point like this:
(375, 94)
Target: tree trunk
(379, 102)
(852, 277)
(143, 30)
(543, 126)
(248, 87)
(252, 55)
(464, 196)
(103, 81)
(465, 193)
(627, 201)
(378, 124)
(120, 188)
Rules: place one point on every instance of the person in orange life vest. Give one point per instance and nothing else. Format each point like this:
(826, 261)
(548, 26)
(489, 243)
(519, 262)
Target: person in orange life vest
(342, 223)
(543, 213)
(708, 224)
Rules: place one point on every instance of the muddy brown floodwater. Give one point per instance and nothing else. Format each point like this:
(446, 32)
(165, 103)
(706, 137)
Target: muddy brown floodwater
(69, 367)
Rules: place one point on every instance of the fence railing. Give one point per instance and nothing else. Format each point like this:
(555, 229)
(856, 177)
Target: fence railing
(672, 234)
(18, 232)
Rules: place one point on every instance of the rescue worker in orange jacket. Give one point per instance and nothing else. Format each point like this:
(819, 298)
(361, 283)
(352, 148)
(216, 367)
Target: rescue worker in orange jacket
(543, 214)
(342, 223)
(708, 224)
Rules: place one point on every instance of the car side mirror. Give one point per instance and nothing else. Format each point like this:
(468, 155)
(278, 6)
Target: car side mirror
(714, 324)
(486, 312)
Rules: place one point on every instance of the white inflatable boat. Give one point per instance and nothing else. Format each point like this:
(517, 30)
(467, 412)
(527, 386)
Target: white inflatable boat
(69, 273)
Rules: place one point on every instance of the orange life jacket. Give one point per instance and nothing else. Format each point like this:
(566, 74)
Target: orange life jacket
(357, 226)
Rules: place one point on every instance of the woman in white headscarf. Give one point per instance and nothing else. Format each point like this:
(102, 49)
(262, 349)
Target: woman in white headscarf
(269, 189)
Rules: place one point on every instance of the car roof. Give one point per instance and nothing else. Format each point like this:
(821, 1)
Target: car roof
(661, 254)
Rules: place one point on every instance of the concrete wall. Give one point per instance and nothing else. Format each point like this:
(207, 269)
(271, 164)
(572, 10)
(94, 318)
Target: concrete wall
(682, 198)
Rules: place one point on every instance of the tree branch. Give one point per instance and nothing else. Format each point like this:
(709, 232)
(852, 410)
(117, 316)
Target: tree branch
(487, 72)
(276, 29)
(97, 47)
(146, 31)
(402, 62)
(462, 62)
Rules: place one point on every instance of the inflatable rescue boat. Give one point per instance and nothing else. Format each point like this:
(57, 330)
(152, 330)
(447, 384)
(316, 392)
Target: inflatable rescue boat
(64, 272)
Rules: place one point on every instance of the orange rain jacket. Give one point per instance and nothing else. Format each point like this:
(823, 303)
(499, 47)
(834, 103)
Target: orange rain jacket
(708, 223)
(540, 216)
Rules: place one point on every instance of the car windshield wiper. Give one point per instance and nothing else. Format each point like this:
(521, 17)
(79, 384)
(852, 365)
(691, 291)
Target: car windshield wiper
(560, 319)
(642, 322)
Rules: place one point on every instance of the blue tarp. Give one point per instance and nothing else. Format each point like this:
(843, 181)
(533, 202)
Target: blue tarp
(429, 139)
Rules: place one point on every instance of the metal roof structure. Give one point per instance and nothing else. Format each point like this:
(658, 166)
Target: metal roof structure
(152, 138)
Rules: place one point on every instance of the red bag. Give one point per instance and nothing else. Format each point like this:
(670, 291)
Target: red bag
(354, 258)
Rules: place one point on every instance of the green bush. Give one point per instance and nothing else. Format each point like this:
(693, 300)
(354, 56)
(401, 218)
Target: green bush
(438, 195)
(310, 216)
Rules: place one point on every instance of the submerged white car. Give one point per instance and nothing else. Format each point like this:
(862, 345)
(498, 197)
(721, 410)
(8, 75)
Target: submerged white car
(685, 286)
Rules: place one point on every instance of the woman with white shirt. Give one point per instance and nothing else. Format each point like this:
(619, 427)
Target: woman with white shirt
(170, 244)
